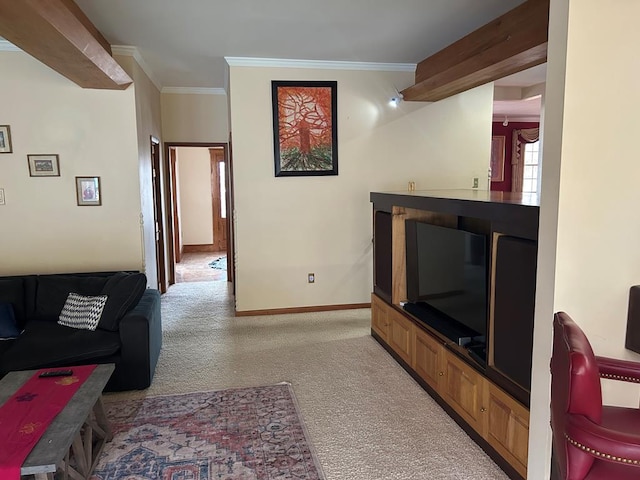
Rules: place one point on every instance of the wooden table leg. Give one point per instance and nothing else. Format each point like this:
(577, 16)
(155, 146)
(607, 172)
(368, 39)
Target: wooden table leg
(87, 446)
(43, 476)
(101, 419)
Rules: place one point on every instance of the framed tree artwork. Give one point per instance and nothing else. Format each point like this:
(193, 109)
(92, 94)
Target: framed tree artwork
(305, 133)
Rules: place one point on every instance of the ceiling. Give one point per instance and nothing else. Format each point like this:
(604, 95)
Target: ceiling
(526, 109)
(184, 43)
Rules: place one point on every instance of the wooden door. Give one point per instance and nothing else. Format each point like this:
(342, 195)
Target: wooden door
(379, 321)
(175, 224)
(218, 191)
(462, 389)
(157, 214)
(428, 359)
(400, 335)
(506, 427)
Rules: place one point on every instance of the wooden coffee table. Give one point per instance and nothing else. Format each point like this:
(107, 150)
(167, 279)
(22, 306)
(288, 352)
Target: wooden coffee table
(79, 432)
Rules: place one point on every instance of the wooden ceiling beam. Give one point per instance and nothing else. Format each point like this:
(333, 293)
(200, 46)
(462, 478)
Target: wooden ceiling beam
(512, 42)
(59, 34)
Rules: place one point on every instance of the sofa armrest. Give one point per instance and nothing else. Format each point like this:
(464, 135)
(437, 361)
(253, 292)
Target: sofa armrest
(141, 337)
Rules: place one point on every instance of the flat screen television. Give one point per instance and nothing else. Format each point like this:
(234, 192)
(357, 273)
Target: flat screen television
(447, 280)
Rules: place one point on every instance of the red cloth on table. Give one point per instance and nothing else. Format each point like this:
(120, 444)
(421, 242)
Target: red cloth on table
(29, 412)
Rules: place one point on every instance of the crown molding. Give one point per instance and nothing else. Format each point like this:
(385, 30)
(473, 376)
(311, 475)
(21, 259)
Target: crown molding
(194, 90)
(130, 51)
(516, 119)
(319, 64)
(7, 46)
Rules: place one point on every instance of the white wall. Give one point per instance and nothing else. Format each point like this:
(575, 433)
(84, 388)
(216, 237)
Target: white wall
(94, 132)
(288, 227)
(148, 123)
(196, 209)
(589, 230)
(194, 117)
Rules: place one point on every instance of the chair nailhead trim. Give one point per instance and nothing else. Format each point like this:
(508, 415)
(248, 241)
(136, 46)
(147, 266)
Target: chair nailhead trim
(620, 377)
(600, 454)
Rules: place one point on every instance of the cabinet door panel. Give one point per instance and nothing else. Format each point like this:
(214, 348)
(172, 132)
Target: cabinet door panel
(428, 359)
(379, 319)
(400, 335)
(463, 388)
(507, 427)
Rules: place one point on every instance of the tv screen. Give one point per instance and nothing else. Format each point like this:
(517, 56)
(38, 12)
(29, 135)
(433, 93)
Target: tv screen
(447, 271)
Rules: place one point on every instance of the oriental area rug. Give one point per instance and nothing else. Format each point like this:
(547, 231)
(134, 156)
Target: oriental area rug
(241, 433)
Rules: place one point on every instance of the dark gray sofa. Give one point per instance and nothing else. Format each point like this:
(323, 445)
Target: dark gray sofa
(129, 332)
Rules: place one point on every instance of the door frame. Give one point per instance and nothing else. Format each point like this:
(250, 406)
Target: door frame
(158, 226)
(219, 234)
(171, 201)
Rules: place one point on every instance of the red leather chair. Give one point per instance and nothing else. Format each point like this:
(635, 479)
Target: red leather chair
(590, 441)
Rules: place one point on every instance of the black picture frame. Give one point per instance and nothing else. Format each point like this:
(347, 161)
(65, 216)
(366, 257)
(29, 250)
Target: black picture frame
(305, 129)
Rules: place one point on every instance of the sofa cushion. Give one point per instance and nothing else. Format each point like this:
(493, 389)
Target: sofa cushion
(12, 291)
(53, 291)
(8, 327)
(82, 311)
(46, 344)
(124, 291)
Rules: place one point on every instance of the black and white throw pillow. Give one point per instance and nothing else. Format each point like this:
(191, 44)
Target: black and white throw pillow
(82, 312)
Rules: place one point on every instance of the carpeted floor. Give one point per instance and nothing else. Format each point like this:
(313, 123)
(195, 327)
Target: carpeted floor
(366, 417)
(242, 433)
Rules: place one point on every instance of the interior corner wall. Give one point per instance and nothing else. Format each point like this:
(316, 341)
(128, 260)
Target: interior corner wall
(588, 255)
(94, 134)
(594, 197)
(288, 227)
(149, 123)
(194, 117)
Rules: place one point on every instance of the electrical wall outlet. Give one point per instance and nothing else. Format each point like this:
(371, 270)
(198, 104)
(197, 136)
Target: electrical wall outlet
(311, 277)
(1, 196)
(475, 182)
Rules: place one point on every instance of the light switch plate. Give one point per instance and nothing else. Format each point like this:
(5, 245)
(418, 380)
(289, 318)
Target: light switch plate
(1, 196)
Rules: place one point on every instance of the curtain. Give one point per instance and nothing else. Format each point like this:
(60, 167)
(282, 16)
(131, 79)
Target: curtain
(524, 135)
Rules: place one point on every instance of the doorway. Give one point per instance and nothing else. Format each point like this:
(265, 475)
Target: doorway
(517, 106)
(199, 198)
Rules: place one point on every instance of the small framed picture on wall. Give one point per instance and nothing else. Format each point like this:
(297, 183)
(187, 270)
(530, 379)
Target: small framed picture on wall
(5, 139)
(44, 165)
(88, 192)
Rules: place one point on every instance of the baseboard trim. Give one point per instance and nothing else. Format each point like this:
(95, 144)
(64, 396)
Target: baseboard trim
(198, 248)
(319, 308)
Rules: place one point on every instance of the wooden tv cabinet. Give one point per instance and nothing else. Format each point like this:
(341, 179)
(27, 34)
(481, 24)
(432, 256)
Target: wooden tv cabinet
(489, 400)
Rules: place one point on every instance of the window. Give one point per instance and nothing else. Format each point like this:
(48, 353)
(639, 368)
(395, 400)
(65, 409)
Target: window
(531, 167)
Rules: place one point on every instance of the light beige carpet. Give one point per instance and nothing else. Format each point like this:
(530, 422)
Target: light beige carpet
(367, 418)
